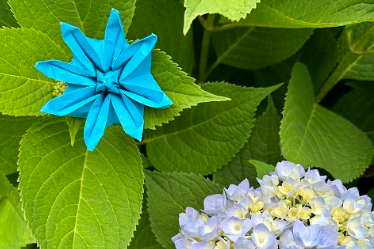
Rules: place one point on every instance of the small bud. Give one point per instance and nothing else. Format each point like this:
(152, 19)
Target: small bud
(59, 88)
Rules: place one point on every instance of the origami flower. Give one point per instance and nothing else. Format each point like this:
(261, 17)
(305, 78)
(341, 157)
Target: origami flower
(108, 81)
(292, 209)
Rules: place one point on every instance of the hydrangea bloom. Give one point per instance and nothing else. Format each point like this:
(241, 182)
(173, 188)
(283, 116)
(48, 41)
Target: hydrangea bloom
(108, 81)
(292, 209)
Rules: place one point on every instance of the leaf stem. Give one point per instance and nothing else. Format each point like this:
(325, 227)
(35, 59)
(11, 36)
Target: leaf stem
(354, 51)
(225, 27)
(208, 27)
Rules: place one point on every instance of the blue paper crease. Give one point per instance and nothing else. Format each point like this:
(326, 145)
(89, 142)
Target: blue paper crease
(108, 81)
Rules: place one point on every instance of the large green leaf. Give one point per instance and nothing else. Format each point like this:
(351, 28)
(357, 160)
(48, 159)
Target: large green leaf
(263, 145)
(11, 131)
(165, 19)
(314, 136)
(73, 198)
(254, 48)
(356, 57)
(180, 88)
(90, 16)
(169, 195)
(144, 238)
(358, 107)
(13, 230)
(232, 9)
(309, 13)
(23, 89)
(6, 17)
(320, 55)
(208, 136)
(264, 141)
(275, 74)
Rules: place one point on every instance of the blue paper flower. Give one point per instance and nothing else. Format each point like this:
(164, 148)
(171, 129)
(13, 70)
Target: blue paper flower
(108, 81)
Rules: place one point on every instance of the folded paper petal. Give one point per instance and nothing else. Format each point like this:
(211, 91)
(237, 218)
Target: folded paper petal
(149, 93)
(145, 47)
(96, 122)
(65, 72)
(81, 47)
(108, 81)
(71, 102)
(130, 115)
(115, 41)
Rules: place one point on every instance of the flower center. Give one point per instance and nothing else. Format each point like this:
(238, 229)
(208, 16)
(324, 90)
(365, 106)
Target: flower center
(108, 82)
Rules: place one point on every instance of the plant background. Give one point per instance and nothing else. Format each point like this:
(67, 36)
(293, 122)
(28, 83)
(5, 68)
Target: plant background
(298, 75)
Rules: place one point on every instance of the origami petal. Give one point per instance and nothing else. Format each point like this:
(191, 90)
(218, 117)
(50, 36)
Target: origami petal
(130, 115)
(136, 62)
(145, 87)
(71, 102)
(96, 121)
(108, 81)
(134, 55)
(65, 72)
(147, 93)
(115, 41)
(82, 49)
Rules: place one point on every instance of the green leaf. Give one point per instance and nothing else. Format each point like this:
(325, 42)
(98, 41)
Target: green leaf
(264, 141)
(179, 87)
(254, 48)
(262, 168)
(144, 238)
(356, 57)
(280, 72)
(11, 132)
(237, 169)
(6, 16)
(13, 230)
(314, 136)
(169, 195)
(165, 19)
(74, 198)
(232, 9)
(263, 145)
(208, 135)
(74, 126)
(90, 16)
(320, 55)
(309, 13)
(358, 107)
(145, 161)
(23, 89)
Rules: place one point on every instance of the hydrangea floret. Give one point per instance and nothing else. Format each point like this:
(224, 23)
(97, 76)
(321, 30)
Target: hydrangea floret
(292, 209)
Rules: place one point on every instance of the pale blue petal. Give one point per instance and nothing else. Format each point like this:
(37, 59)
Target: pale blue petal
(242, 243)
(328, 237)
(202, 245)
